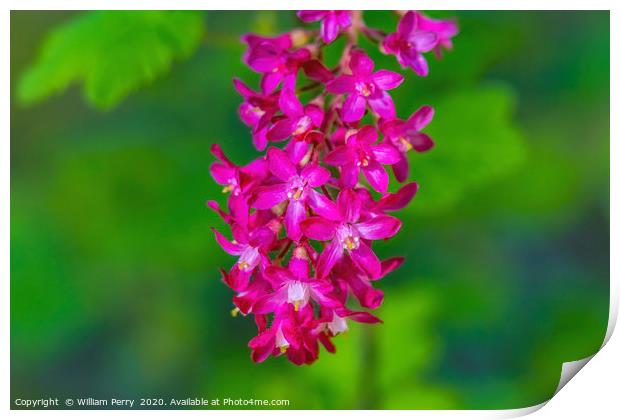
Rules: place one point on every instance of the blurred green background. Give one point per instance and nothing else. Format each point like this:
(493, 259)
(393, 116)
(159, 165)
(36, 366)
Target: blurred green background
(114, 283)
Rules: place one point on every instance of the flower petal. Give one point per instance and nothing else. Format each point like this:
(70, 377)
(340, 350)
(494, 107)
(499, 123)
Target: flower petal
(401, 169)
(360, 64)
(266, 197)
(341, 84)
(282, 129)
(421, 142)
(339, 156)
(390, 265)
(228, 246)
(421, 117)
(353, 108)
(330, 256)
(386, 80)
(295, 214)
(408, 24)
(318, 228)
(383, 105)
(315, 70)
(262, 345)
(349, 206)
(315, 175)
(398, 200)
(289, 104)
(380, 227)
(323, 206)
(280, 165)
(386, 154)
(364, 256)
(329, 28)
(377, 176)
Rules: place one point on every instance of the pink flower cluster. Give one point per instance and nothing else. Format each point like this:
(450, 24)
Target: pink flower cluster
(302, 220)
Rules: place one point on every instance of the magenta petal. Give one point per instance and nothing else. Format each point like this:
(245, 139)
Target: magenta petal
(391, 264)
(280, 165)
(282, 129)
(289, 104)
(339, 156)
(341, 84)
(353, 108)
(364, 317)
(329, 28)
(227, 246)
(315, 113)
(380, 227)
(329, 257)
(386, 80)
(311, 15)
(398, 200)
(222, 174)
(408, 24)
(349, 206)
(366, 135)
(266, 197)
(318, 228)
(364, 256)
(315, 70)
(421, 142)
(419, 64)
(262, 346)
(315, 175)
(349, 175)
(277, 276)
(401, 169)
(360, 64)
(323, 206)
(242, 88)
(217, 151)
(386, 154)
(295, 214)
(296, 150)
(421, 117)
(383, 105)
(265, 305)
(377, 176)
(259, 138)
(270, 82)
(424, 41)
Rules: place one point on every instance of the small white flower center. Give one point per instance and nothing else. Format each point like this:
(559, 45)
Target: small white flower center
(297, 294)
(338, 325)
(348, 236)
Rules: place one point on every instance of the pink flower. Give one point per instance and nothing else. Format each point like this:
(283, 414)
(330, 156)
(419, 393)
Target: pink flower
(256, 111)
(360, 153)
(297, 121)
(251, 247)
(365, 87)
(406, 135)
(273, 58)
(301, 257)
(409, 42)
(332, 21)
(445, 30)
(293, 286)
(293, 186)
(341, 228)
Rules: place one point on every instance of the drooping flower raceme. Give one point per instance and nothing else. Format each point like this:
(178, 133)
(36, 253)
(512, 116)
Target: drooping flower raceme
(303, 217)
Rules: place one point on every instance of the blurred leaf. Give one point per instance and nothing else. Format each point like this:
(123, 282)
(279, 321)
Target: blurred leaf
(112, 53)
(476, 143)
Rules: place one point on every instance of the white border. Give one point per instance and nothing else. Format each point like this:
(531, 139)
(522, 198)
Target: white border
(594, 394)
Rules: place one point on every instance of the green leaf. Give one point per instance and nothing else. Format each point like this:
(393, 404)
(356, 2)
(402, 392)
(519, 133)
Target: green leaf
(477, 142)
(112, 53)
